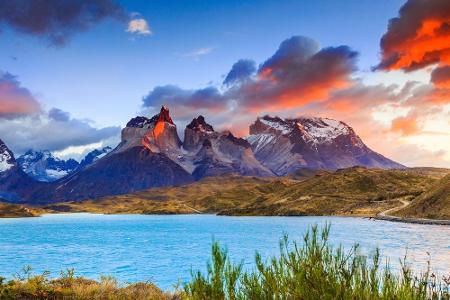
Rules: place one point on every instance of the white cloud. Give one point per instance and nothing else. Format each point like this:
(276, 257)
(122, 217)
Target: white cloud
(197, 53)
(139, 26)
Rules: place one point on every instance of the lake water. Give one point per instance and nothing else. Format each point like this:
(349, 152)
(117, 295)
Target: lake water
(164, 249)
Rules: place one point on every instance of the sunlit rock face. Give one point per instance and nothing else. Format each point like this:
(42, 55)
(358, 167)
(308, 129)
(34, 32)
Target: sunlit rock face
(319, 143)
(157, 134)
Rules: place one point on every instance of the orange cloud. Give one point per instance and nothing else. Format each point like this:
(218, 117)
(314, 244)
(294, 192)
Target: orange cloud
(419, 37)
(405, 125)
(14, 99)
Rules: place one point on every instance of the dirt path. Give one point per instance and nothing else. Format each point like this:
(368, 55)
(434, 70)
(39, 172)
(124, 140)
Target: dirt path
(386, 216)
(196, 210)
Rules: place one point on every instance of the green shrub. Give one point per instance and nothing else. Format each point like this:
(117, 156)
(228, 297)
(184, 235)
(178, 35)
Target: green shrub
(312, 270)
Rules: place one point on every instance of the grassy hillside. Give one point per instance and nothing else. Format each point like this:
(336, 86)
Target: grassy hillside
(432, 204)
(15, 211)
(353, 191)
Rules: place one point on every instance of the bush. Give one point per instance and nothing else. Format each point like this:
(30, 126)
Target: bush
(313, 270)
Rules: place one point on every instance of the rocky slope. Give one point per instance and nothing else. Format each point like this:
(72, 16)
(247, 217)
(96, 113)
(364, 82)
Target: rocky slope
(318, 143)
(43, 166)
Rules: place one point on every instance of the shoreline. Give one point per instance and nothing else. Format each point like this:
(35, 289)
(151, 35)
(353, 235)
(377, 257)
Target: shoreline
(381, 216)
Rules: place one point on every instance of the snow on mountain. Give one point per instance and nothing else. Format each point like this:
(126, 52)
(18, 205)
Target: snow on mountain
(43, 166)
(93, 156)
(319, 143)
(7, 160)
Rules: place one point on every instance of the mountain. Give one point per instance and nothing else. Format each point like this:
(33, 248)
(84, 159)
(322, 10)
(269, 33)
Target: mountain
(214, 153)
(432, 204)
(151, 154)
(93, 156)
(7, 160)
(15, 184)
(43, 166)
(286, 145)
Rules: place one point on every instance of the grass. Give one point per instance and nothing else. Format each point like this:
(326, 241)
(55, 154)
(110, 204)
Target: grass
(8, 210)
(352, 191)
(312, 269)
(432, 204)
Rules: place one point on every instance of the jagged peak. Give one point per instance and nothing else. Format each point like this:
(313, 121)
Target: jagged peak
(7, 160)
(141, 121)
(199, 124)
(164, 115)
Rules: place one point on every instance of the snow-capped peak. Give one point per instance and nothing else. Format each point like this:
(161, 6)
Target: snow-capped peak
(43, 166)
(7, 160)
(312, 129)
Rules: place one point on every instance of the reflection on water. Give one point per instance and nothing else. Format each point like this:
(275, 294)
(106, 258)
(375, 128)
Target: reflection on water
(165, 248)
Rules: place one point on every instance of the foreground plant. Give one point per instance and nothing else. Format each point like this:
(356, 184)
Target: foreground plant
(313, 270)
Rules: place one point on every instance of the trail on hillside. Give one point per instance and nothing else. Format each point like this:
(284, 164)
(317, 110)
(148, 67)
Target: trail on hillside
(386, 216)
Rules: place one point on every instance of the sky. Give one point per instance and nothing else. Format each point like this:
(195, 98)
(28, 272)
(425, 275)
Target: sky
(72, 73)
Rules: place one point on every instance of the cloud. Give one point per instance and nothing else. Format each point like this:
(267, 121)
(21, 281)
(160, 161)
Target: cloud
(297, 74)
(197, 53)
(241, 71)
(301, 78)
(54, 20)
(24, 124)
(418, 37)
(209, 98)
(139, 26)
(440, 77)
(15, 100)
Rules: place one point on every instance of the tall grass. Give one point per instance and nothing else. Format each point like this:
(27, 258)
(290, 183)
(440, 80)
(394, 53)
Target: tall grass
(312, 270)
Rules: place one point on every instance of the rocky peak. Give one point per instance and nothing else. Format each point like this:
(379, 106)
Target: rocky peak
(199, 124)
(43, 166)
(138, 122)
(196, 132)
(7, 160)
(93, 156)
(163, 116)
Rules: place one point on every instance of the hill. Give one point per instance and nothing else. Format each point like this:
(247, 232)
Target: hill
(354, 191)
(432, 204)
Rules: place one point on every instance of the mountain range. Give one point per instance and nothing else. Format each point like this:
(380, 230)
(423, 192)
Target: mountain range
(151, 154)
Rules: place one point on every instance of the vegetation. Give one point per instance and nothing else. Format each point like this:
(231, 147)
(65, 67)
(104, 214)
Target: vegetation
(310, 270)
(353, 191)
(433, 203)
(67, 286)
(313, 270)
(14, 211)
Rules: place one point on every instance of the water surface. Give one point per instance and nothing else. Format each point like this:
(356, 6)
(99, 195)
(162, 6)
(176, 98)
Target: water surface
(164, 249)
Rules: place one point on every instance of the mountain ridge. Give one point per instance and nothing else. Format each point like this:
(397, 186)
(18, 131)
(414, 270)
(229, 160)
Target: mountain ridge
(151, 154)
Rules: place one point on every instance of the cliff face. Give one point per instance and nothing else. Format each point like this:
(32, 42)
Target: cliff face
(214, 153)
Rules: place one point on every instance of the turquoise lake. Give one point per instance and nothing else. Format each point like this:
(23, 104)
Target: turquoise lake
(164, 249)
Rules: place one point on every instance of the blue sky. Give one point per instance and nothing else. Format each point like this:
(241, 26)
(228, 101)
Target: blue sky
(76, 96)
(103, 73)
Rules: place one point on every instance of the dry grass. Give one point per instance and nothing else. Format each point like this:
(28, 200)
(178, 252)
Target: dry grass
(8, 210)
(67, 286)
(353, 191)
